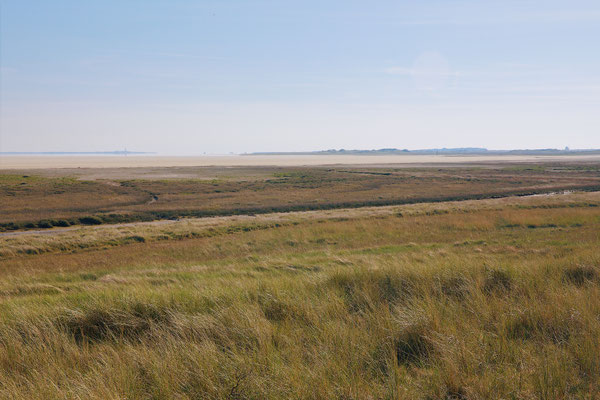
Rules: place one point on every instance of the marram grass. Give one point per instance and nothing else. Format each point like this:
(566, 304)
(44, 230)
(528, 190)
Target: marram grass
(494, 302)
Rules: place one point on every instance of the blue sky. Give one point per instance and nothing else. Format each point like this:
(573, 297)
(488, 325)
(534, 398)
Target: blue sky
(194, 77)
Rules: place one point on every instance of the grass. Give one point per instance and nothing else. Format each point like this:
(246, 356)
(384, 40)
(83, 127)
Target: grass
(468, 302)
(45, 199)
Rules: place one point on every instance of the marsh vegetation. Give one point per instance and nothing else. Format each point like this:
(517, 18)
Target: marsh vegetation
(42, 199)
(463, 300)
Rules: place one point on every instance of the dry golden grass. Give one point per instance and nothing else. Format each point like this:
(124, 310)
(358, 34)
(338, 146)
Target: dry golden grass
(89, 237)
(492, 299)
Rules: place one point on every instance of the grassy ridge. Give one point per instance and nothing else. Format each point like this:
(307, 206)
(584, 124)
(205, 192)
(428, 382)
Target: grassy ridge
(486, 302)
(146, 216)
(86, 238)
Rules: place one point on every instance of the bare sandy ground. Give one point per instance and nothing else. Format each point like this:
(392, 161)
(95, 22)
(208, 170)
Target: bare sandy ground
(43, 162)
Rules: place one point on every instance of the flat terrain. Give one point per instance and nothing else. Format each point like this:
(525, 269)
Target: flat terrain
(462, 281)
(148, 161)
(46, 198)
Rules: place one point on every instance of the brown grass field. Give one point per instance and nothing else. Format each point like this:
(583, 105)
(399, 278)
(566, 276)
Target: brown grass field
(427, 287)
(36, 199)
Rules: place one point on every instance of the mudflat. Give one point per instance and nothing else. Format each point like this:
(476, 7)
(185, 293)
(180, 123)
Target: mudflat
(41, 162)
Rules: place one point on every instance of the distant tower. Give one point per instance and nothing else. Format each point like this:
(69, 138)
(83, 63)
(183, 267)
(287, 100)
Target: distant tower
(567, 148)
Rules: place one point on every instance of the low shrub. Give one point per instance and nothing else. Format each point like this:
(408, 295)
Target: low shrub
(91, 220)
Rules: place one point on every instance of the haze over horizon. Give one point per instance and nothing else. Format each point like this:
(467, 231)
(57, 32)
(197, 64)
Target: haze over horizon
(186, 78)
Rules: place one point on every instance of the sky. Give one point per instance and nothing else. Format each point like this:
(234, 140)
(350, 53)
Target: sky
(193, 77)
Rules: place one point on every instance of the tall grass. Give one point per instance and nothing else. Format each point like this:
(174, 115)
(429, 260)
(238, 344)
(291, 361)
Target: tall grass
(447, 305)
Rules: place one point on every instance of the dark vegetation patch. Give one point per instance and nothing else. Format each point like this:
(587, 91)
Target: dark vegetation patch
(510, 225)
(276, 309)
(365, 290)
(545, 325)
(453, 287)
(455, 393)
(470, 243)
(135, 238)
(98, 323)
(535, 226)
(497, 281)
(44, 224)
(412, 344)
(580, 274)
(91, 220)
(88, 276)
(409, 344)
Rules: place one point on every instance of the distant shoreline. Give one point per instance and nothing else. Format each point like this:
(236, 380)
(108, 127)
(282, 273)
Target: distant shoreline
(463, 151)
(73, 153)
(16, 162)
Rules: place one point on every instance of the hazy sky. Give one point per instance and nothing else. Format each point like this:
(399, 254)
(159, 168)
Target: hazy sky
(188, 77)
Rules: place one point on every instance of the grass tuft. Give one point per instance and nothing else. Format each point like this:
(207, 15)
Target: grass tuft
(412, 343)
(497, 281)
(98, 323)
(580, 274)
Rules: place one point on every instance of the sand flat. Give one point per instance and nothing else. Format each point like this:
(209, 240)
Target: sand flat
(47, 161)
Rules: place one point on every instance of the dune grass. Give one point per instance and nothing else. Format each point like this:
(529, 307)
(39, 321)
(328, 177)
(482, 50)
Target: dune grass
(492, 300)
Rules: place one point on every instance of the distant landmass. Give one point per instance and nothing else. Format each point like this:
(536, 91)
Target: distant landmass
(386, 151)
(442, 151)
(73, 153)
